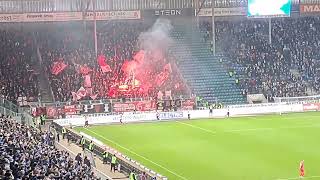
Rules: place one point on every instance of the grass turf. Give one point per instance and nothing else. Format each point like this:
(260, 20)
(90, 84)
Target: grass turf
(246, 148)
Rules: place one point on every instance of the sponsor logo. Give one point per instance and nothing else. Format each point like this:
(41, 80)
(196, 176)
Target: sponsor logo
(168, 12)
(237, 11)
(311, 107)
(68, 16)
(310, 8)
(10, 17)
(171, 115)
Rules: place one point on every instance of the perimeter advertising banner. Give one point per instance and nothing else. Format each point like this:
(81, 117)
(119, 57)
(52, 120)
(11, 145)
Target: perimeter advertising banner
(168, 13)
(311, 107)
(113, 15)
(309, 9)
(69, 16)
(234, 11)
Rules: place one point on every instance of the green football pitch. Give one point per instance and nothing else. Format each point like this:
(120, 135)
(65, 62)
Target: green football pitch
(266, 147)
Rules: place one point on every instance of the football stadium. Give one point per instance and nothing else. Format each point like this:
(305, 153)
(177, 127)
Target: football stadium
(159, 89)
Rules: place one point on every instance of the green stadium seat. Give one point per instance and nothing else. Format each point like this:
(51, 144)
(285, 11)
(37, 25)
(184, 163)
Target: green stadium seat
(202, 71)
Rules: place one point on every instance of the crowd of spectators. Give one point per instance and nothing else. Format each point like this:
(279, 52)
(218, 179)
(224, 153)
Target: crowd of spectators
(74, 44)
(287, 67)
(27, 153)
(18, 77)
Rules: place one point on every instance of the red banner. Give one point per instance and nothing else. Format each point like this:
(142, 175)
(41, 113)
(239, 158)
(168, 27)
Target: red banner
(52, 112)
(58, 67)
(70, 109)
(131, 106)
(311, 107)
(38, 111)
(188, 104)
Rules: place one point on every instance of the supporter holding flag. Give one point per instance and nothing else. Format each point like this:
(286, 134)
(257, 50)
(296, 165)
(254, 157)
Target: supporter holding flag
(58, 67)
(102, 63)
(84, 70)
(87, 81)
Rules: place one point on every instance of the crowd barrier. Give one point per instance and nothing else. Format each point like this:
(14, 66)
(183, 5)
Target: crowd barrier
(124, 164)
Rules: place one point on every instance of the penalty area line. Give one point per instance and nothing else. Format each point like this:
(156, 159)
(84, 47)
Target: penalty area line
(307, 177)
(137, 154)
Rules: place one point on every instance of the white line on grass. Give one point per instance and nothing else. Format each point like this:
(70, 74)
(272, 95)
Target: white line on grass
(197, 127)
(138, 155)
(246, 130)
(308, 177)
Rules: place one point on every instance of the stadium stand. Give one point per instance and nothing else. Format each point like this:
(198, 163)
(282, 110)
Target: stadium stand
(206, 76)
(119, 45)
(27, 153)
(18, 76)
(287, 67)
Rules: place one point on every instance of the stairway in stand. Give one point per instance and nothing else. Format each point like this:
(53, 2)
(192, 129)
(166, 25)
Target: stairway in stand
(203, 72)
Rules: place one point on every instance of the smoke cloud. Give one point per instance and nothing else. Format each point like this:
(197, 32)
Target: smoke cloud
(157, 37)
(149, 65)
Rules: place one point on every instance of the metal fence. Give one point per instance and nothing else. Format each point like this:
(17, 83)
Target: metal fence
(126, 167)
(7, 108)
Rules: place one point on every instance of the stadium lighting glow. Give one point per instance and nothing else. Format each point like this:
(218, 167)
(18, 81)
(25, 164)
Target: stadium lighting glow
(269, 8)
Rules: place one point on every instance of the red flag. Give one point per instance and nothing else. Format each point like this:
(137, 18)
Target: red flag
(160, 95)
(105, 68)
(167, 68)
(94, 96)
(75, 96)
(58, 67)
(102, 63)
(84, 70)
(139, 57)
(89, 91)
(81, 93)
(128, 66)
(102, 60)
(87, 81)
(161, 78)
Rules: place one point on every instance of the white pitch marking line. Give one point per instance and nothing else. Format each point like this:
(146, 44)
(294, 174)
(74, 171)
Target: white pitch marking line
(197, 127)
(264, 129)
(309, 177)
(245, 130)
(138, 155)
